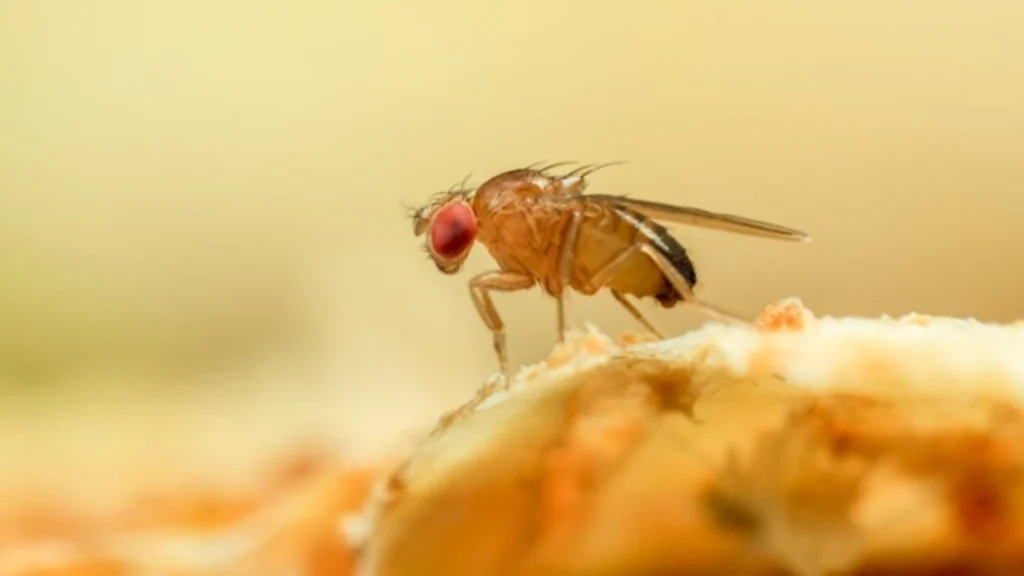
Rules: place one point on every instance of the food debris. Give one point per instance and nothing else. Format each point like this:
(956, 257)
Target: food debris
(788, 314)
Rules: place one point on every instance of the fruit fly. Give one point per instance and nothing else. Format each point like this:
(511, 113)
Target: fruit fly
(545, 229)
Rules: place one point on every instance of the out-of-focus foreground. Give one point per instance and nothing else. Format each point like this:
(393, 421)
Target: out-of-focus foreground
(206, 263)
(800, 446)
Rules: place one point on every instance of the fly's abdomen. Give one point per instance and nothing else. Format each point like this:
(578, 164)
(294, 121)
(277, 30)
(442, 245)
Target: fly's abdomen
(660, 239)
(604, 239)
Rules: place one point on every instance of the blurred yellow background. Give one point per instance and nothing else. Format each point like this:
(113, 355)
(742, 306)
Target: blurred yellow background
(205, 253)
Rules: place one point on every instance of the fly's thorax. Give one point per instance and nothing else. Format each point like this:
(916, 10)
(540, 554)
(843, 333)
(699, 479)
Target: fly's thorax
(571, 184)
(512, 224)
(526, 238)
(512, 187)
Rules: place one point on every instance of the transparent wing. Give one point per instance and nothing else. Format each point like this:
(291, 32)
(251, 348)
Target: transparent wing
(702, 218)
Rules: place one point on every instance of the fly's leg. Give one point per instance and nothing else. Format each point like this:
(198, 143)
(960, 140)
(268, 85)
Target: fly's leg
(560, 302)
(680, 284)
(572, 232)
(480, 288)
(621, 298)
(608, 271)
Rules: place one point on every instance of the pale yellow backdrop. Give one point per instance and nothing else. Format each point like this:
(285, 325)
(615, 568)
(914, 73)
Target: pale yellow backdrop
(201, 203)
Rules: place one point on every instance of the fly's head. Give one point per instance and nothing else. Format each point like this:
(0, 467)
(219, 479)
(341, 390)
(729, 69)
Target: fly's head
(448, 226)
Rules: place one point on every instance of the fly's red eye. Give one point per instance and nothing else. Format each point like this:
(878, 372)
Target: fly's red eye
(452, 230)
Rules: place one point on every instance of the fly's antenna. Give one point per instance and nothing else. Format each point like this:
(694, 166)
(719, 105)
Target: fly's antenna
(426, 251)
(415, 214)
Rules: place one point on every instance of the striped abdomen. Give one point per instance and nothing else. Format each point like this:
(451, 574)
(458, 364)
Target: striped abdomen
(610, 231)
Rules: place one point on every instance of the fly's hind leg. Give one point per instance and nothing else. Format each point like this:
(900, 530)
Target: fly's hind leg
(637, 314)
(480, 288)
(680, 284)
(608, 271)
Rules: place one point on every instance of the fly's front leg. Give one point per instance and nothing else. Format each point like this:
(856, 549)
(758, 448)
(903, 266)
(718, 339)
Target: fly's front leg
(680, 284)
(480, 288)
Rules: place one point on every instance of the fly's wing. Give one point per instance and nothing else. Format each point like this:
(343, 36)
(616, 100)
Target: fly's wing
(702, 218)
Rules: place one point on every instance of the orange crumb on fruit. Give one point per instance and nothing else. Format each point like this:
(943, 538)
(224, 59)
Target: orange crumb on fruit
(633, 338)
(784, 315)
